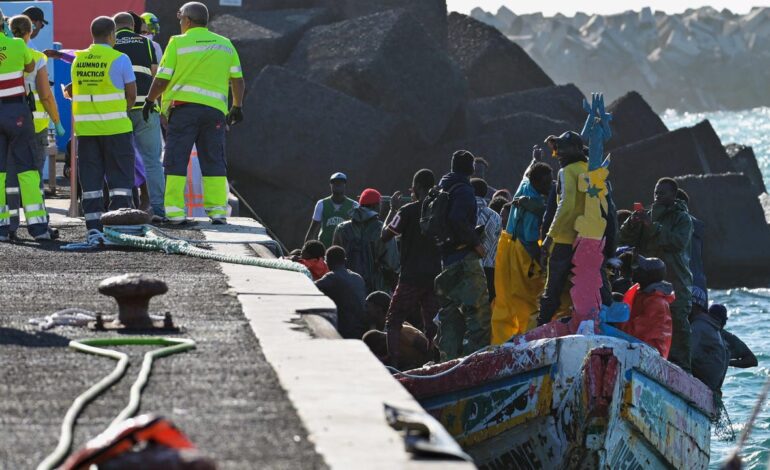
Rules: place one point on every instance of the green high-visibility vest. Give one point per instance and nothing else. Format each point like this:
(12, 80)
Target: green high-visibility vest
(98, 106)
(39, 115)
(199, 65)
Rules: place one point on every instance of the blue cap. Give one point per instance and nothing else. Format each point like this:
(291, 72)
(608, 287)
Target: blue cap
(339, 176)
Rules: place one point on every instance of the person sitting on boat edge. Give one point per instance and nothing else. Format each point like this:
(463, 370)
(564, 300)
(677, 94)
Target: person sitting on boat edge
(710, 356)
(312, 257)
(413, 348)
(713, 353)
(650, 299)
(348, 292)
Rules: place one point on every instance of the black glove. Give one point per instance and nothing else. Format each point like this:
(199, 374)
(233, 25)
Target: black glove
(149, 107)
(234, 116)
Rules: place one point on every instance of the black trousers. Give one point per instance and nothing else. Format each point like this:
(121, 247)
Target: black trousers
(559, 269)
(110, 158)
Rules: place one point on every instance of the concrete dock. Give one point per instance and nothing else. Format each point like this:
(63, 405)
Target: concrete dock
(264, 388)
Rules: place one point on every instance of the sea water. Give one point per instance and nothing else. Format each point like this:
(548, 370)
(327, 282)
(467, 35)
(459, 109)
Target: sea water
(748, 308)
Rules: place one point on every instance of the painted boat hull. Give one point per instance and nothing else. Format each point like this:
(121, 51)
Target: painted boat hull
(570, 402)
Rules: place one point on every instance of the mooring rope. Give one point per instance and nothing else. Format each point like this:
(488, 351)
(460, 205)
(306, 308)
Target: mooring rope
(96, 346)
(154, 242)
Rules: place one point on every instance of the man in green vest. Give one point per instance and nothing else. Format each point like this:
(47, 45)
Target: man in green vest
(194, 78)
(103, 90)
(17, 133)
(331, 211)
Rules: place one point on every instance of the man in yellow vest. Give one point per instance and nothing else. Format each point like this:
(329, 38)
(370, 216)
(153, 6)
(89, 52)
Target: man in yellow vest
(193, 78)
(103, 90)
(44, 111)
(17, 134)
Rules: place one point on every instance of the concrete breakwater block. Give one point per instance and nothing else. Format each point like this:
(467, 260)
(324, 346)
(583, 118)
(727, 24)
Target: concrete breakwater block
(633, 120)
(266, 37)
(563, 103)
(637, 167)
(166, 11)
(736, 234)
(300, 132)
(744, 161)
(490, 62)
(431, 14)
(506, 143)
(388, 61)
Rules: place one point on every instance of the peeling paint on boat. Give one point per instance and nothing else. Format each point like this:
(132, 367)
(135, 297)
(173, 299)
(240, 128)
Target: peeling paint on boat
(575, 401)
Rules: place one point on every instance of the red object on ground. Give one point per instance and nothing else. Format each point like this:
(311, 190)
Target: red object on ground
(72, 18)
(114, 442)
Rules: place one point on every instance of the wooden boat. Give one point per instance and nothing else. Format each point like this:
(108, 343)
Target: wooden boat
(577, 401)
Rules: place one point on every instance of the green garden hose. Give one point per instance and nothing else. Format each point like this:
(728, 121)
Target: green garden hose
(96, 346)
(152, 241)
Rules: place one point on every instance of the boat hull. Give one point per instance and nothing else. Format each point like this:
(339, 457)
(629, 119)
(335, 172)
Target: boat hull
(570, 402)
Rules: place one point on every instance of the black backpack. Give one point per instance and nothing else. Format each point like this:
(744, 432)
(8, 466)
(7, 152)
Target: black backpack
(434, 215)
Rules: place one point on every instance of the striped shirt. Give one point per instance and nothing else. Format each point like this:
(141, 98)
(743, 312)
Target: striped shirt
(492, 227)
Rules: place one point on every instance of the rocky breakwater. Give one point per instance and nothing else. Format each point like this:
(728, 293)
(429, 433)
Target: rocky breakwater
(698, 60)
(381, 88)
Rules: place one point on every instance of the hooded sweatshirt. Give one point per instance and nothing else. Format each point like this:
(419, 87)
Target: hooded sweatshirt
(461, 218)
(650, 319)
(710, 356)
(667, 238)
(367, 255)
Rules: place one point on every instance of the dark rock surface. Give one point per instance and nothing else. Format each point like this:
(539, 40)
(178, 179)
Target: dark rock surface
(744, 161)
(633, 120)
(491, 63)
(266, 37)
(388, 61)
(635, 168)
(563, 103)
(166, 10)
(301, 132)
(431, 14)
(506, 143)
(735, 229)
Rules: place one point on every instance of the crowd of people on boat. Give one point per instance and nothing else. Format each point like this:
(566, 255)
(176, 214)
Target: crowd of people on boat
(457, 265)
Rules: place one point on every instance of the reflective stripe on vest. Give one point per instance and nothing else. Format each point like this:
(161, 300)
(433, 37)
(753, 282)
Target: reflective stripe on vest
(40, 117)
(200, 91)
(142, 69)
(202, 64)
(98, 106)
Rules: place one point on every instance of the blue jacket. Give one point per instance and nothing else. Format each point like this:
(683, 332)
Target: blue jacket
(522, 224)
(461, 218)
